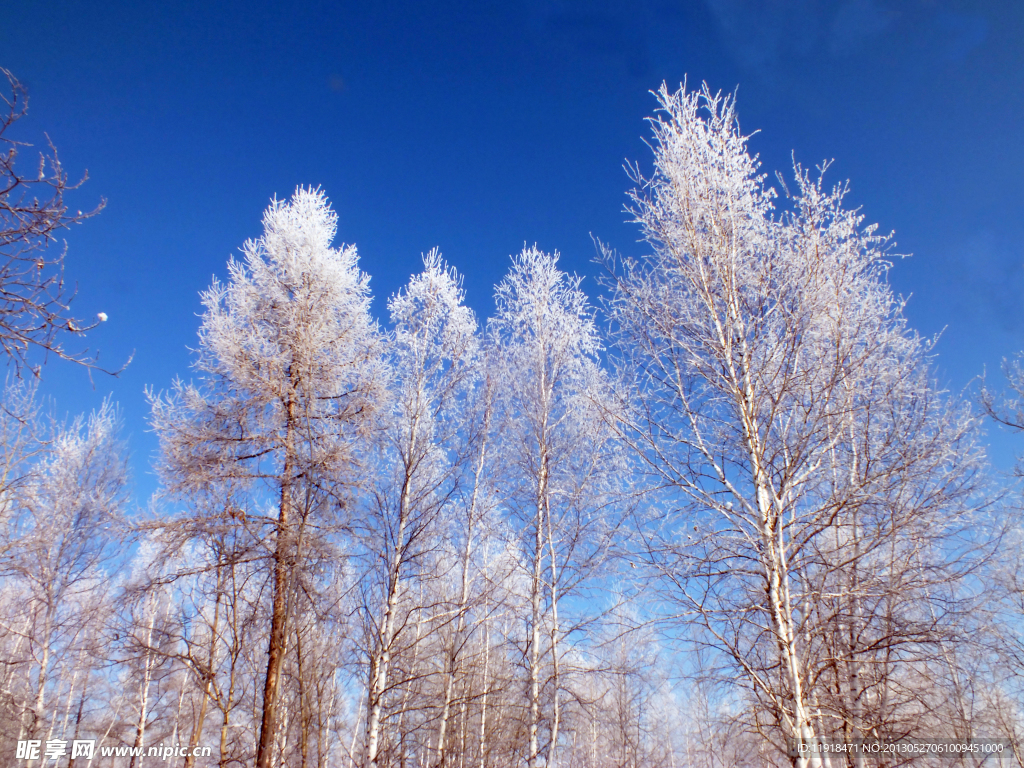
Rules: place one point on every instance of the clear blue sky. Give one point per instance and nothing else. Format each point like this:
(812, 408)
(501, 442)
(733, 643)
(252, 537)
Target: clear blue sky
(477, 127)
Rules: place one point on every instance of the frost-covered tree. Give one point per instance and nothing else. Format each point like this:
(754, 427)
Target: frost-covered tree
(63, 528)
(20, 439)
(561, 462)
(290, 369)
(779, 397)
(420, 462)
(210, 569)
(1006, 408)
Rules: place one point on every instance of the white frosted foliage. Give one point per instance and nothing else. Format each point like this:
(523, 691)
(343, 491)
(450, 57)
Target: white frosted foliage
(780, 398)
(295, 310)
(289, 332)
(545, 325)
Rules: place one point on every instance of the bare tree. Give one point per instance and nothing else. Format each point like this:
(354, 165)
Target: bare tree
(1003, 632)
(35, 302)
(1007, 408)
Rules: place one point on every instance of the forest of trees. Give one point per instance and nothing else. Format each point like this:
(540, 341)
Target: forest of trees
(721, 509)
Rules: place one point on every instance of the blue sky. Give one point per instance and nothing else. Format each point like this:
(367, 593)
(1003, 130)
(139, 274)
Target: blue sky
(480, 127)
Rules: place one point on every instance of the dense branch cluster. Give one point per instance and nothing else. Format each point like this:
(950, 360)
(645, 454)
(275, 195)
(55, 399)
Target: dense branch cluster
(742, 518)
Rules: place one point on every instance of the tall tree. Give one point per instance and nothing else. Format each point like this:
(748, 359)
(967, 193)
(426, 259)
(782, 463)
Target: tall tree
(434, 364)
(561, 460)
(778, 390)
(289, 360)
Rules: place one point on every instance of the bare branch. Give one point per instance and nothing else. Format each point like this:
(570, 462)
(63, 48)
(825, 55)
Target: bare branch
(35, 300)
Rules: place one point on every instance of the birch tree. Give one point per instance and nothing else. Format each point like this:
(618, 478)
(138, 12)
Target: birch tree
(58, 542)
(434, 366)
(779, 398)
(467, 588)
(560, 460)
(289, 361)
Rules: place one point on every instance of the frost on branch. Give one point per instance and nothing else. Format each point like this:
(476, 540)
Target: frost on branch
(545, 324)
(287, 337)
(435, 338)
(782, 402)
(563, 465)
(291, 372)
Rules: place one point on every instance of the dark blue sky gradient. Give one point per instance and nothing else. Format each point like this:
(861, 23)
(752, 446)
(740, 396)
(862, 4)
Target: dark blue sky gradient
(477, 127)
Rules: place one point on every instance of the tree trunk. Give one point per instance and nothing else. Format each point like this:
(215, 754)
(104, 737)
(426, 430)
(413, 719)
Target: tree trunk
(304, 709)
(78, 725)
(555, 703)
(44, 664)
(211, 658)
(535, 619)
(453, 660)
(380, 661)
(279, 612)
(140, 727)
(486, 687)
(538, 569)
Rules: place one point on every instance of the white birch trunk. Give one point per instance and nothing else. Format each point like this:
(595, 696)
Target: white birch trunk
(380, 661)
(535, 618)
(452, 662)
(140, 727)
(555, 704)
(486, 689)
